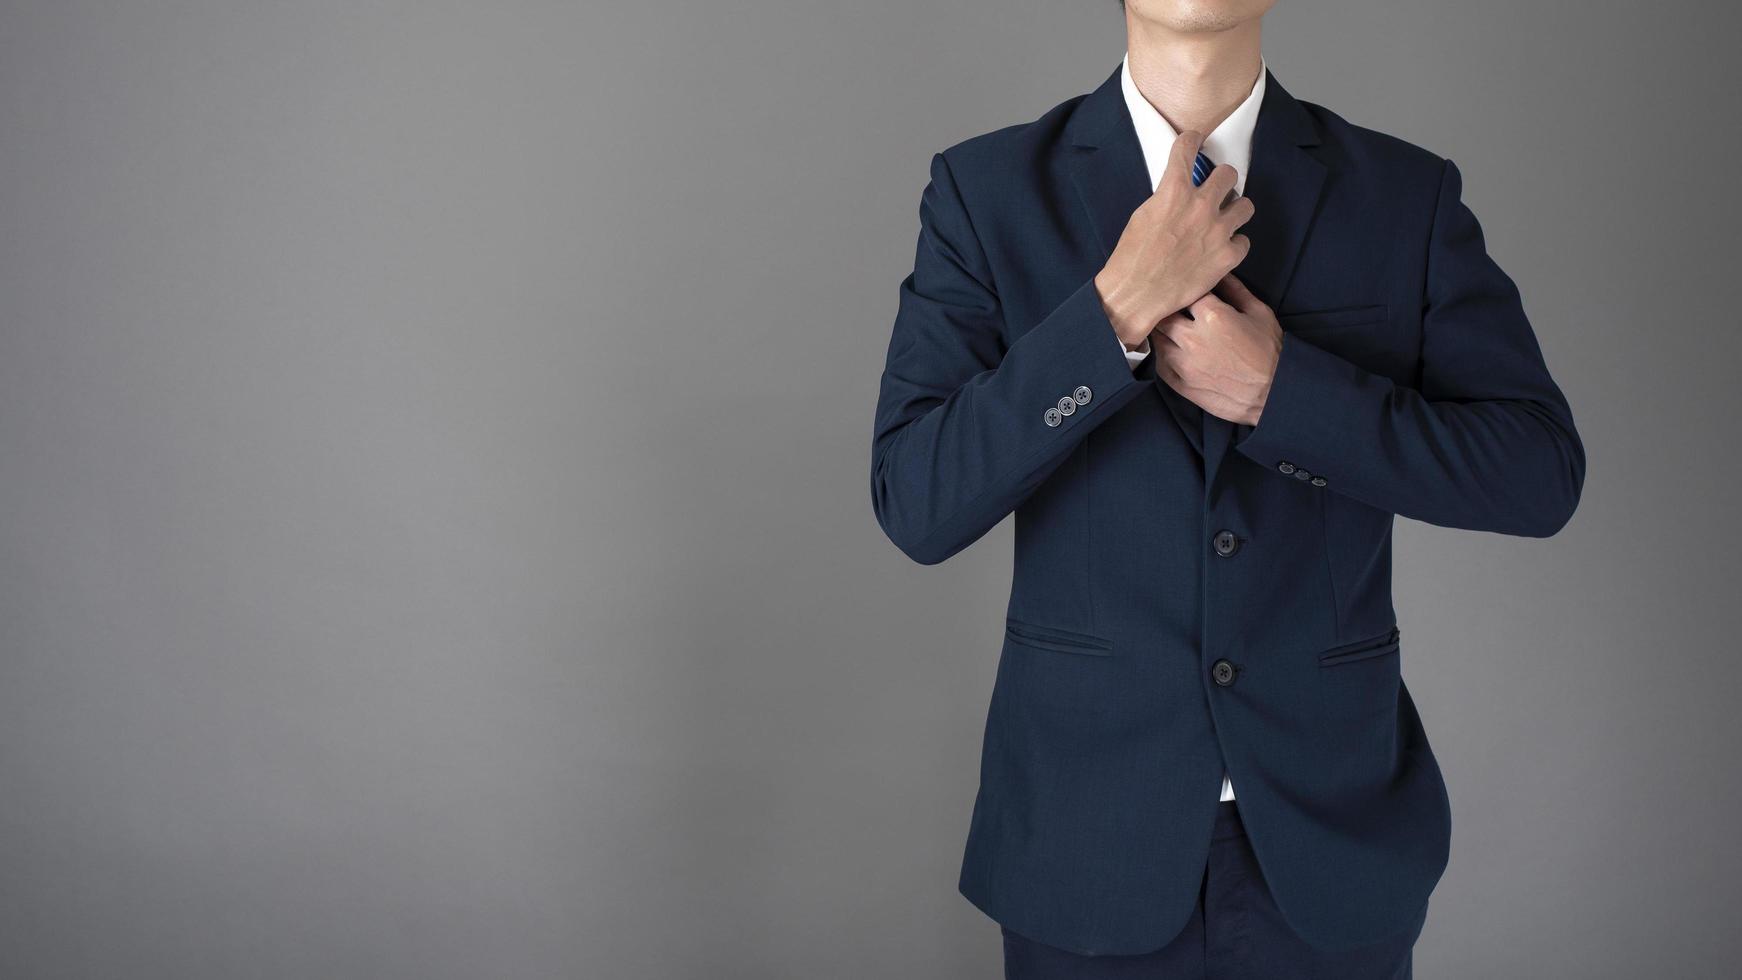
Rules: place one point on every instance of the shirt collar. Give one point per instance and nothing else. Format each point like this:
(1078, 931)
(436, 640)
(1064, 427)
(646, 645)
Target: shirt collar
(1229, 143)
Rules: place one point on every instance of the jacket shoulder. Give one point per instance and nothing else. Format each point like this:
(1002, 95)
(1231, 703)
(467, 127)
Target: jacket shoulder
(1369, 150)
(1008, 165)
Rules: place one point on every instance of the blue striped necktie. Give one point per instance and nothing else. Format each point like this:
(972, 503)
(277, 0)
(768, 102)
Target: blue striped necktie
(1201, 168)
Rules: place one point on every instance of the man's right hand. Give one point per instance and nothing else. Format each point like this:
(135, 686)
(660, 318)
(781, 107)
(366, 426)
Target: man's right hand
(1177, 245)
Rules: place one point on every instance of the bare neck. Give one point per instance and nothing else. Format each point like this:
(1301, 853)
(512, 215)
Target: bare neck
(1194, 80)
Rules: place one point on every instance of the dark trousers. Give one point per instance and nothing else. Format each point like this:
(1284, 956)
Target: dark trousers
(1234, 933)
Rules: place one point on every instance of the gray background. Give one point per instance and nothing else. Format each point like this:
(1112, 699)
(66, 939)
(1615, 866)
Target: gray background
(435, 537)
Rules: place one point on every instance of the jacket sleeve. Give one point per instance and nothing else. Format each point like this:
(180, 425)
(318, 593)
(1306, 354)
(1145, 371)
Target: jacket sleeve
(962, 435)
(1486, 443)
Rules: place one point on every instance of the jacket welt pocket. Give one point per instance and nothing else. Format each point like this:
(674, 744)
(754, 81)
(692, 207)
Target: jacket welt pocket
(1373, 646)
(1053, 638)
(1342, 316)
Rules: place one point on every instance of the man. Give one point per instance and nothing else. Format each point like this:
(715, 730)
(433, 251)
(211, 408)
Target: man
(1204, 372)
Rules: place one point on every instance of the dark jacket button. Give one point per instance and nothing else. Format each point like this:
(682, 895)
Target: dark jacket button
(1222, 672)
(1226, 543)
(1285, 467)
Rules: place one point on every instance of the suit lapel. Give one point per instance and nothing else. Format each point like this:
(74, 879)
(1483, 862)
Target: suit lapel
(1112, 179)
(1284, 185)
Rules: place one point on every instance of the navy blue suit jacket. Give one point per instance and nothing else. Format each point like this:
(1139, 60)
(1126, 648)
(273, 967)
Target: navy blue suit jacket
(1410, 383)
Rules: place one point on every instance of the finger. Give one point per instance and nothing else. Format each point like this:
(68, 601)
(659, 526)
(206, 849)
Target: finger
(1179, 159)
(1207, 304)
(1238, 211)
(1168, 325)
(1237, 295)
(1242, 245)
(1219, 185)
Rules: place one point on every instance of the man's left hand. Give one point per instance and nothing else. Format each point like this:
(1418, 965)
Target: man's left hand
(1223, 355)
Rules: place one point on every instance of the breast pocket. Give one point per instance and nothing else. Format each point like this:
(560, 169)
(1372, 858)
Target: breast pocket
(1313, 321)
(1363, 335)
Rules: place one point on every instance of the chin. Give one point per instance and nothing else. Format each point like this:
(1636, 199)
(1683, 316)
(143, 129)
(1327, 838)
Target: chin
(1198, 16)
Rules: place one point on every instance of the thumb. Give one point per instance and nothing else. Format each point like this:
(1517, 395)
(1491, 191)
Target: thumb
(1238, 295)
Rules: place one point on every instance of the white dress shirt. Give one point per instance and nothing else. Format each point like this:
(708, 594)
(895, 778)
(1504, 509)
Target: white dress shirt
(1229, 143)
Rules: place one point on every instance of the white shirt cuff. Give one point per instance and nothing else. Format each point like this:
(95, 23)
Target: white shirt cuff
(1134, 357)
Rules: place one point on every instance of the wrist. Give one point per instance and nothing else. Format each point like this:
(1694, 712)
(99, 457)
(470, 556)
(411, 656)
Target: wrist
(1126, 313)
